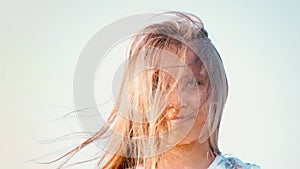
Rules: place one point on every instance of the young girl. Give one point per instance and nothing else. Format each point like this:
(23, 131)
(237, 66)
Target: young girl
(170, 103)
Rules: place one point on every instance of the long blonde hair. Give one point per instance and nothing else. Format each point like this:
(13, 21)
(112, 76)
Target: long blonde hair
(136, 130)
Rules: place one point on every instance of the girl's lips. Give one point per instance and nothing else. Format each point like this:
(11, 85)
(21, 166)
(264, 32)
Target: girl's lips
(180, 118)
(176, 117)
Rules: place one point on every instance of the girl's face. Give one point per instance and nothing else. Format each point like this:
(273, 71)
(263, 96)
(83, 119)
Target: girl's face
(180, 92)
(187, 100)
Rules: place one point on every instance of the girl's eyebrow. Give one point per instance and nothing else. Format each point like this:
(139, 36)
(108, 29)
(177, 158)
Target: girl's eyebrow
(198, 76)
(181, 65)
(201, 76)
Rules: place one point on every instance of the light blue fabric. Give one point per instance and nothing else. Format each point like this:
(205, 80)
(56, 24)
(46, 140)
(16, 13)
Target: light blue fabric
(227, 162)
(230, 162)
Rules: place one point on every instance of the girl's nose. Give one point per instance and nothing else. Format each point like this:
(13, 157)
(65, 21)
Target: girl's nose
(175, 98)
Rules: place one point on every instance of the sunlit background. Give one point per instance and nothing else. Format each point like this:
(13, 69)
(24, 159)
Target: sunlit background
(40, 42)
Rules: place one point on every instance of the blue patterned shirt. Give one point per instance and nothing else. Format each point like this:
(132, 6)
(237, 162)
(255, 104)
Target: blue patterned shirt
(229, 162)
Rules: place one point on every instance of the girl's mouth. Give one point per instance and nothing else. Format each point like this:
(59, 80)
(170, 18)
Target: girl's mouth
(181, 118)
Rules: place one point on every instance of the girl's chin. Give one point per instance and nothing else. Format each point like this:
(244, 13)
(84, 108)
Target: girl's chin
(188, 140)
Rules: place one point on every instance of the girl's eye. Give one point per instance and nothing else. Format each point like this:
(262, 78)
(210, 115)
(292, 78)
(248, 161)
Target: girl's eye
(164, 87)
(194, 83)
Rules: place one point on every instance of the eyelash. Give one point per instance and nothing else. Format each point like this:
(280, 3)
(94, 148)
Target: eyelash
(188, 84)
(194, 83)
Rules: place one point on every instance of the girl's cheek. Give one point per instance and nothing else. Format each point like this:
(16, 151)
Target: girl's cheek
(195, 99)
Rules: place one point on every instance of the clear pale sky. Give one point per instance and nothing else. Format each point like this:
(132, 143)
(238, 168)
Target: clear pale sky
(259, 42)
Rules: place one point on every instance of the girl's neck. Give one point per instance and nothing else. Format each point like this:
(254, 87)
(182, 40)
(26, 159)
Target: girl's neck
(191, 156)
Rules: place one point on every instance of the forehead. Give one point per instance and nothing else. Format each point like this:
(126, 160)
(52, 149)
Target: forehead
(197, 67)
(189, 62)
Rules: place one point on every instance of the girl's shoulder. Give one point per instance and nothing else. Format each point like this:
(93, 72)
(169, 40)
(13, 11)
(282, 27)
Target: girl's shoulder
(231, 162)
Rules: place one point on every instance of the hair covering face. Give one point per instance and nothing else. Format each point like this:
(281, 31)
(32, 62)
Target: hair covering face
(158, 58)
